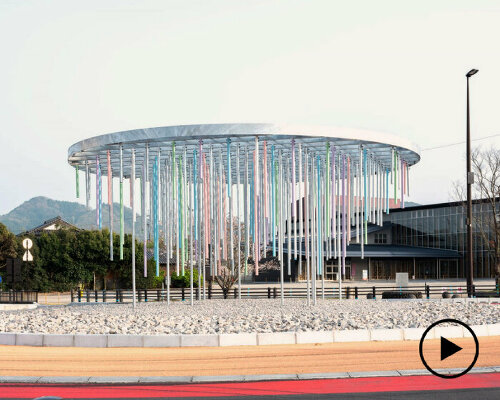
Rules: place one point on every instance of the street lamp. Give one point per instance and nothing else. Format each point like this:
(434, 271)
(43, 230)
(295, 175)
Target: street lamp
(470, 181)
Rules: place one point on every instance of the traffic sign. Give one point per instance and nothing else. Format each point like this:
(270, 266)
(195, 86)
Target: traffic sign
(27, 244)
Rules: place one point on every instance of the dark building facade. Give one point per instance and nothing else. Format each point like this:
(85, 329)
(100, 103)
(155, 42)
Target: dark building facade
(427, 242)
(442, 226)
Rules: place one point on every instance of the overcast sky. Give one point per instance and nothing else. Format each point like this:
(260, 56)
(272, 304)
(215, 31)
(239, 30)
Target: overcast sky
(75, 69)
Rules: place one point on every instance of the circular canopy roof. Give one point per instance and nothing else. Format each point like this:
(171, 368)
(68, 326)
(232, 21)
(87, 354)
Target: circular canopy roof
(312, 138)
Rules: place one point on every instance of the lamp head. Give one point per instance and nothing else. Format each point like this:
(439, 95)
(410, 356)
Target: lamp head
(471, 72)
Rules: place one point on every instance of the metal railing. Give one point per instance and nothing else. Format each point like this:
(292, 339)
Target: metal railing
(18, 296)
(330, 292)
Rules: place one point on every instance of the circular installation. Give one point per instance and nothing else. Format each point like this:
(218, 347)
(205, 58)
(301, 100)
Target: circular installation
(225, 196)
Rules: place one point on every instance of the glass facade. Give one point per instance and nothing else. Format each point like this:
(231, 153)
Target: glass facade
(443, 227)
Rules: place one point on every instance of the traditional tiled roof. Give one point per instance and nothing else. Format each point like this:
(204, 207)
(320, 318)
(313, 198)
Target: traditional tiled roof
(58, 222)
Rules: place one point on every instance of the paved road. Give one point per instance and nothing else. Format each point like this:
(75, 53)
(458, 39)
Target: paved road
(243, 360)
(474, 386)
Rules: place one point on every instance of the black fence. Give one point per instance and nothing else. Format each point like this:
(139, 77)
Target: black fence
(330, 292)
(18, 297)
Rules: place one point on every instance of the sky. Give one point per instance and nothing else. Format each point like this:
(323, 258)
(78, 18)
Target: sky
(76, 69)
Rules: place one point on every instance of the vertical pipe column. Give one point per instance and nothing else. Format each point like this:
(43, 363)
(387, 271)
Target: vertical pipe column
(190, 188)
(77, 181)
(110, 203)
(273, 202)
(132, 200)
(280, 181)
(239, 217)
(301, 222)
(289, 216)
(306, 233)
(213, 233)
(98, 193)
(144, 208)
(255, 204)
(122, 233)
(185, 201)
(312, 208)
(246, 210)
(293, 219)
(264, 200)
(87, 184)
(168, 224)
(229, 184)
(327, 223)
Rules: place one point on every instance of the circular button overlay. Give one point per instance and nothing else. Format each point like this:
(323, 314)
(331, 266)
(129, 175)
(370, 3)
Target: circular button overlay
(448, 348)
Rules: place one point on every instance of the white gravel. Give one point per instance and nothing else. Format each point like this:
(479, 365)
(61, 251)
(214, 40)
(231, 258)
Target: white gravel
(233, 316)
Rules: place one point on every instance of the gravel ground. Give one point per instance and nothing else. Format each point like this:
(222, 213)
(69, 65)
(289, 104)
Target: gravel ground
(233, 316)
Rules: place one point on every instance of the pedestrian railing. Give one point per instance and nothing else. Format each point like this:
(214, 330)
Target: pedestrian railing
(328, 291)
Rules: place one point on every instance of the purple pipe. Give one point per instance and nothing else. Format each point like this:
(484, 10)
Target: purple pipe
(293, 179)
(334, 200)
(344, 247)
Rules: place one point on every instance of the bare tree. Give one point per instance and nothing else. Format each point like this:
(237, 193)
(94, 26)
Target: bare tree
(226, 278)
(486, 168)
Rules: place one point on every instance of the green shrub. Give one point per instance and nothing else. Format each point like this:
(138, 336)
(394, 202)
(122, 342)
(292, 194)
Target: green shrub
(179, 281)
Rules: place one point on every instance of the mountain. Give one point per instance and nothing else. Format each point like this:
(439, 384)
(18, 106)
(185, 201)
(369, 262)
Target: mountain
(39, 209)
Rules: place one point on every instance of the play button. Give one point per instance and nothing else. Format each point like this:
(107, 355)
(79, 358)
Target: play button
(449, 348)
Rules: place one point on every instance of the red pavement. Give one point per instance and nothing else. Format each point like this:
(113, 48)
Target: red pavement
(325, 386)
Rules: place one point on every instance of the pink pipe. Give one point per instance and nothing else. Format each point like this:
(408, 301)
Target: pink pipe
(306, 184)
(110, 177)
(348, 199)
(255, 210)
(224, 219)
(264, 171)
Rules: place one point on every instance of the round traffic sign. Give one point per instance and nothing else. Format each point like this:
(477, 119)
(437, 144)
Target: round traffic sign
(27, 243)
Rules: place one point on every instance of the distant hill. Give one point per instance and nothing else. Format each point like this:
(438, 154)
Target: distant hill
(39, 209)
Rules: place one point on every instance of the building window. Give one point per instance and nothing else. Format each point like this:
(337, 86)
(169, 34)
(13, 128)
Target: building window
(380, 238)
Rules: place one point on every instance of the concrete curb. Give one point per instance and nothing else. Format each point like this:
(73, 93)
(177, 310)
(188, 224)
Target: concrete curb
(230, 378)
(242, 339)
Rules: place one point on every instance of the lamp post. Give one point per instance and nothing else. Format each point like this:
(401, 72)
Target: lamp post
(470, 181)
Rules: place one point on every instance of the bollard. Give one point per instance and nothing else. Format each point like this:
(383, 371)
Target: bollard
(72, 296)
(146, 295)
(209, 292)
(96, 297)
(356, 292)
(473, 290)
(183, 295)
(88, 296)
(139, 294)
(347, 292)
(427, 292)
(117, 294)
(268, 292)
(373, 292)
(157, 295)
(275, 292)
(104, 296)
(235, 293)
(79, 296)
